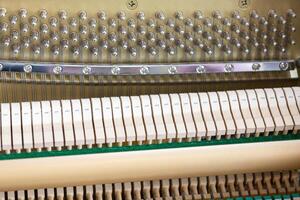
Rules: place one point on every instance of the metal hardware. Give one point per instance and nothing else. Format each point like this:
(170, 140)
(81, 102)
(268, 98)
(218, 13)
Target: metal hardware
(151, 69)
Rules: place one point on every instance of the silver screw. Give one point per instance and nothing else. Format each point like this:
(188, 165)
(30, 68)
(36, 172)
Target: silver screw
(43, 14)
(57, 69)
(228, 68)
(27, 68)
(86, 70)
(1, 67)
(256, 66)
(115, 70)
(172, 70)
(201, 69)
(284, 66)
(144, 70)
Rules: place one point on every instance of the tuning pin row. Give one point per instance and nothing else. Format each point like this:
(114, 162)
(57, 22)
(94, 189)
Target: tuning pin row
(138, 34)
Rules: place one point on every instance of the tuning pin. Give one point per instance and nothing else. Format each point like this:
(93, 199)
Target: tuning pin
(227, 49)
(16, 49)
(84, 44)
(142, 44)
(123, 43)
(254, 42)
(273, 42)
(62, 15)
(244, 35)
(112, 37)
(179, 29)
(121, 15)
(293, 29)
(235, 28)
(282, 49)
(188, 36)
(53, 21)
(171, 23)
(64, 29)
(75, 50)
(14, 35)
(263, 22)
(103, 44)
(36, 50)
(291, 14)
(13, 19)
(152, 51)
(101, 15)
(207, 35)
(74, 37)
(189, 50)
(161, 43)
(44, 28)
(93, 23)
(83, 29)
(46, 43)
(273, 14)
(55, 50)
(54, 36)
(141, 29)
(2, 12)
(94, 51)
(131, 36)
(93, 37)
(199, 43)
(160, 15)
(281, 20)
(141, 16)
(245, 49)
(189, 22)
(236, 42)
(160, 29)
(226, 22)
(263, 48)
(131, 23)
(170, 50)
(282, 35)
(254, 28)
(198, 29)
(207, 22)
(226, 35)
(207, 49)
(64, 43)
(103, 30)
(34, 35)
(73, 22)
(254, 14)
(23, 13)
(217, 42)
(132, 51)
(170, 36)
(236, 15)
(179, 15)
(6, 41)
(112, 22)
(217, 28)
(43, 14)
(25, 42)
(151, 23)
(244, 22)
(151, 36)
(114, 51)
(217, 15)
(179, 43)
(198, 15)
(3, 27)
